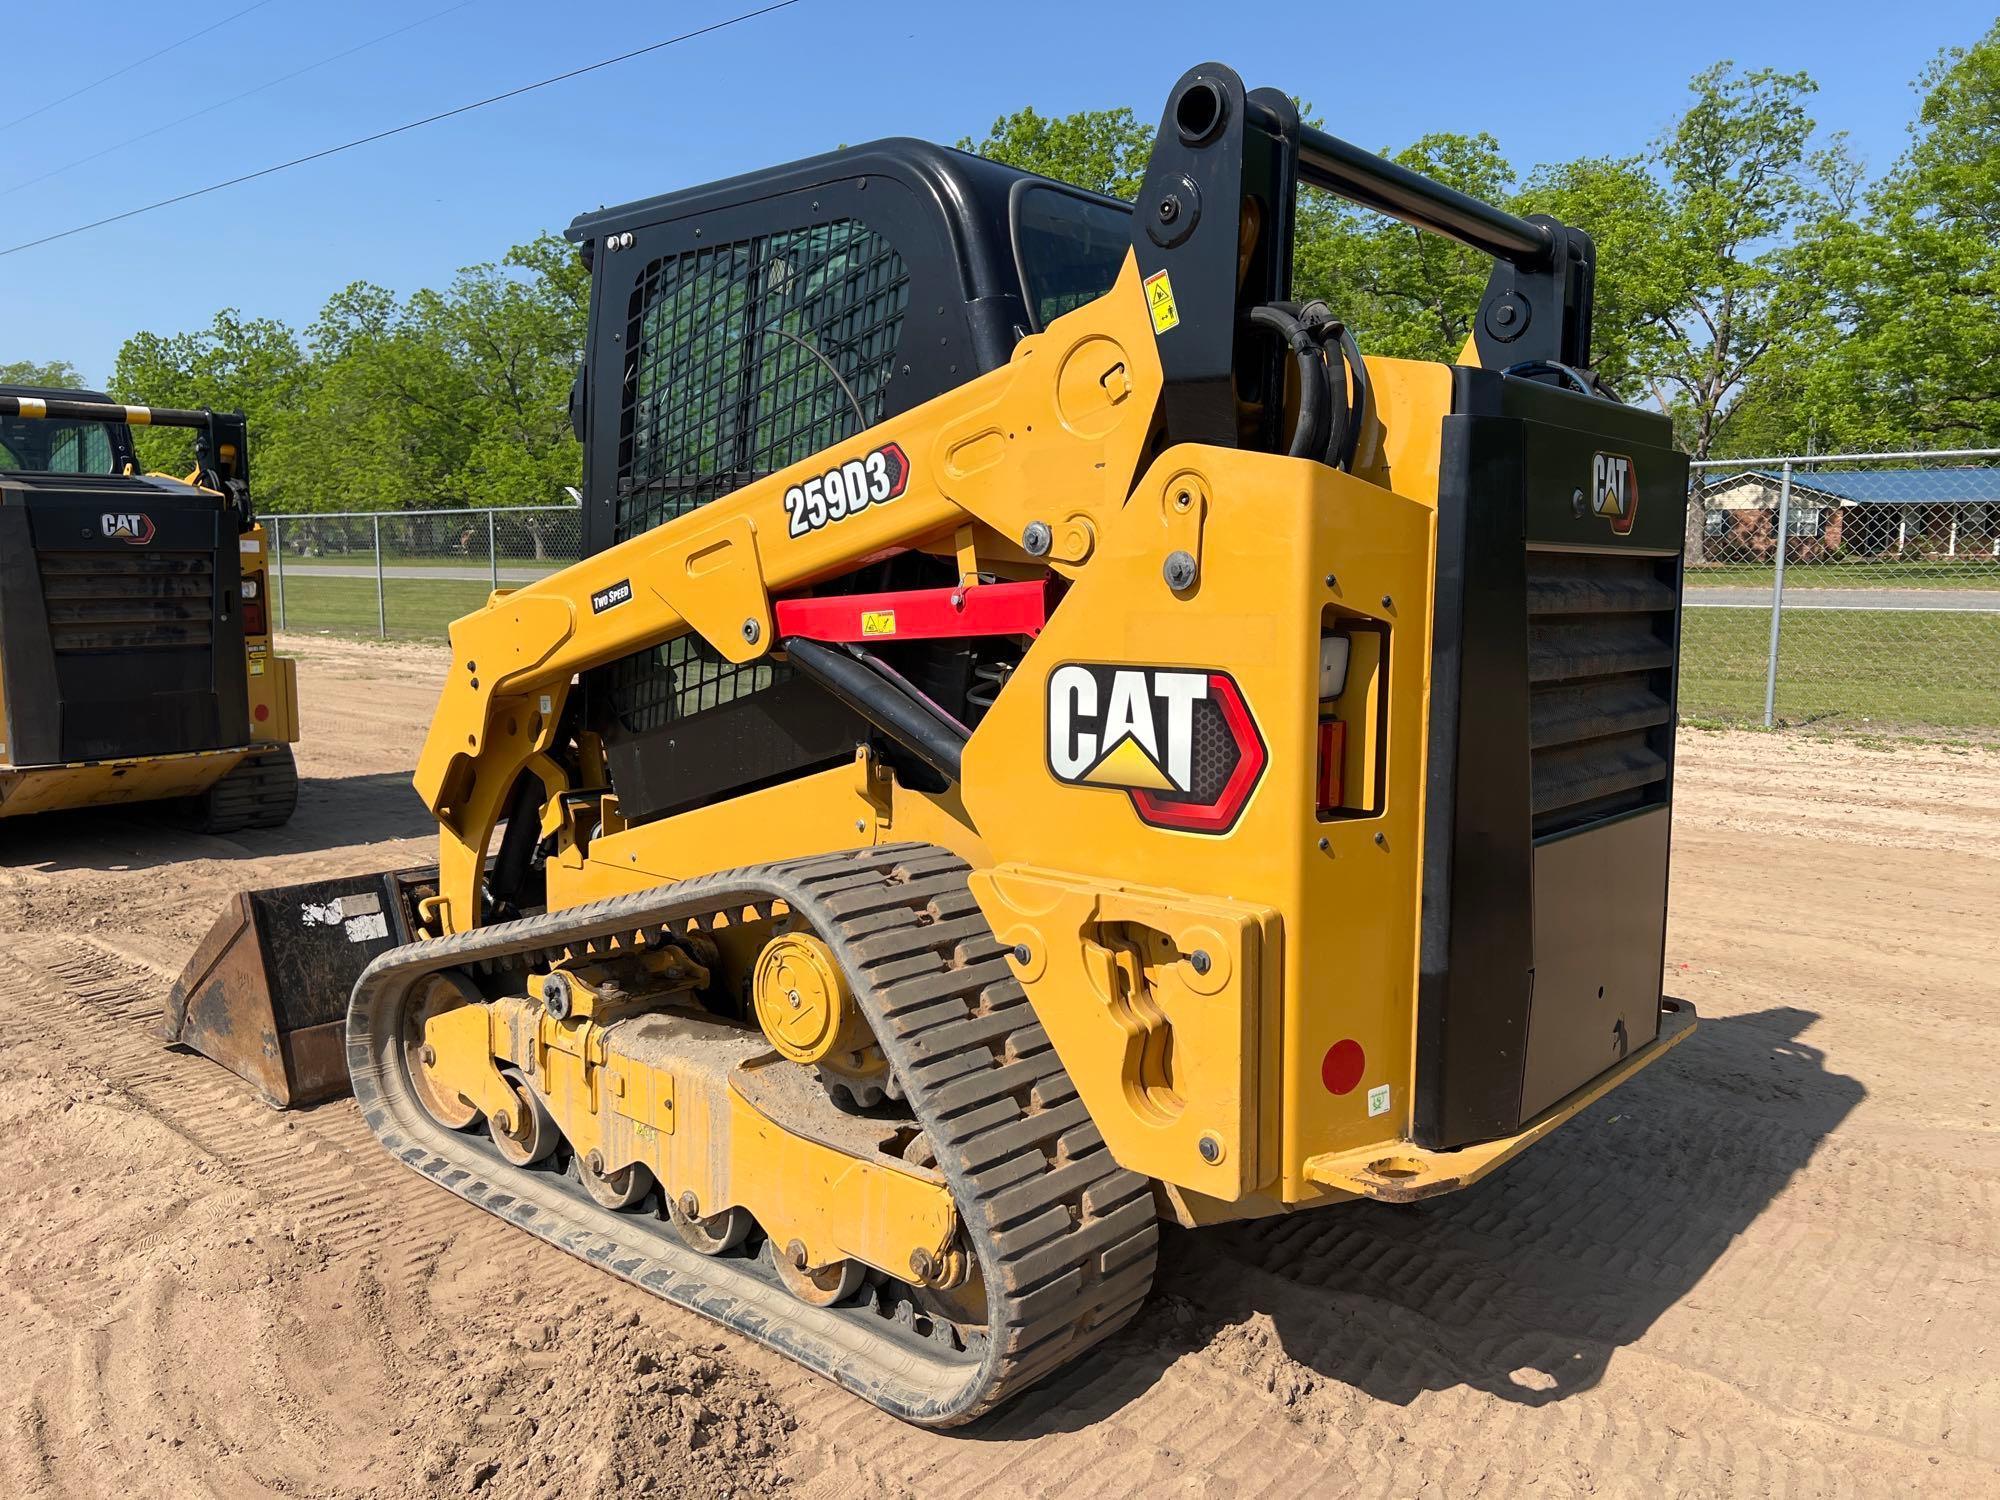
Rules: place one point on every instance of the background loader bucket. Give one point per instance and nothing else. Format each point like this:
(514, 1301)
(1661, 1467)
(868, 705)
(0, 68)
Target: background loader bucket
(266, 993)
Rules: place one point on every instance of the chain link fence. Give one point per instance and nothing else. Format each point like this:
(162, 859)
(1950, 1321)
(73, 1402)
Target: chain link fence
(407, 574)
(1857, 591)
(1880, 612)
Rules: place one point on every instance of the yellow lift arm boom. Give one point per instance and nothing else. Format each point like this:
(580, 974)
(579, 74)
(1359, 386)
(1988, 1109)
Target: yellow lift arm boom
(1057, 436)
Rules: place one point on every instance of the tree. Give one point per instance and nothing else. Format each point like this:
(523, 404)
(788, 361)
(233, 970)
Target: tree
(1910, 352)
(1741, 183)
(446, 398)
(252, 365)
(1103, 150)
(59, 373)
(1621, 204)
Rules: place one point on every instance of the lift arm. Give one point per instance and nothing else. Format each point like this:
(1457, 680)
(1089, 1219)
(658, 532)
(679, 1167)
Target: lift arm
(1055, 439)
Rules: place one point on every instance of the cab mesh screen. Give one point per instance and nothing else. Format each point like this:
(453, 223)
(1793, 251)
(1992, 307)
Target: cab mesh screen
(744, 358)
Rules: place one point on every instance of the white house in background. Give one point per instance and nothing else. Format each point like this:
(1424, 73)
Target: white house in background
(1933, 513)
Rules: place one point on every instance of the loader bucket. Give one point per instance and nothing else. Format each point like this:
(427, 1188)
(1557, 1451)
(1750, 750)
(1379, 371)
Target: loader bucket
(266, 993)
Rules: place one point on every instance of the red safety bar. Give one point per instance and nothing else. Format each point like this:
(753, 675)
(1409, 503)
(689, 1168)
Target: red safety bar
(918, 614)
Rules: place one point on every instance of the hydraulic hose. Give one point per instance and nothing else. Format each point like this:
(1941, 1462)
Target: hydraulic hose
(1313, 393)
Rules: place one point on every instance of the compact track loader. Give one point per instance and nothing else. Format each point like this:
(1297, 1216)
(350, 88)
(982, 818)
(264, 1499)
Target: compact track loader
(1049, 737)
(135, 648)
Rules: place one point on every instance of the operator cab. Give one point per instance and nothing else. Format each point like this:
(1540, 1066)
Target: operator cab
(740, 327)
(54, 446)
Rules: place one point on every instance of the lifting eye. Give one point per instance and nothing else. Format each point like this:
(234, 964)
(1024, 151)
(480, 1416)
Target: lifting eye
(1198, 113)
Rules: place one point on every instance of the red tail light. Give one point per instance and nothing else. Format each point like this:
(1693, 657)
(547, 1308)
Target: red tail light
(1332, 748)
(255, 620)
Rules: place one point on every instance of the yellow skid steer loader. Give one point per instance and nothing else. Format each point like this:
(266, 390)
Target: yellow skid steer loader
(135, 645)
(1049, 737)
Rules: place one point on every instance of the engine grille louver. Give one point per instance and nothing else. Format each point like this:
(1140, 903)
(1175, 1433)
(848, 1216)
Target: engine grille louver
(119, 601)
(1600, 670)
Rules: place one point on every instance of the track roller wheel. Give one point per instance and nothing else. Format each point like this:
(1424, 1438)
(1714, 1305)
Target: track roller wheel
(822, 1286)
(620, 1189)
(717, 1234)
(449, 1108)
(528, 1133)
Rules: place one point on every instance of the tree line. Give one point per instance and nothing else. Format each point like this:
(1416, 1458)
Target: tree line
(1754, 281)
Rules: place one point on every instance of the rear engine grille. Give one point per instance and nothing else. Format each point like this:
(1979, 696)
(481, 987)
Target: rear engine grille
(120, 601)
(1600, 668)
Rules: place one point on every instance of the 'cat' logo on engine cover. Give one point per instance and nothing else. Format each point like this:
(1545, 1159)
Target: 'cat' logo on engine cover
(1614, 491)
(133, 527)
(1180, 743)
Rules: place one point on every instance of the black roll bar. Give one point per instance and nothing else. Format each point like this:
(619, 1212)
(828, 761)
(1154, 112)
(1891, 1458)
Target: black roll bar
(1326, 161)
(1213, 226)
(221, 438)
(62, 409)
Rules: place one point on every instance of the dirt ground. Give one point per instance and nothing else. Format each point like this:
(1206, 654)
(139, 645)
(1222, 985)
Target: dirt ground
(1770, 1265)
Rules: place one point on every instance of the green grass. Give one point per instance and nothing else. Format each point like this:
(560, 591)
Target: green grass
(1863, 671)
(1882, 669)
(1954, 573)
(418, 609)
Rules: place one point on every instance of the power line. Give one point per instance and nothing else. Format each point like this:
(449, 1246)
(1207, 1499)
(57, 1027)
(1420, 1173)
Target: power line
(382, 135)
(146, 135)
(131, 66)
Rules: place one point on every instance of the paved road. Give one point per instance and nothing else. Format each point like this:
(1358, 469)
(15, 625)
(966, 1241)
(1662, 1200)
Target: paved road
(1985, 601)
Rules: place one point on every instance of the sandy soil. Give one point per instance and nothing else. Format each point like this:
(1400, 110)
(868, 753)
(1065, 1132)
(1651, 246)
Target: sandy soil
(1770, 1265)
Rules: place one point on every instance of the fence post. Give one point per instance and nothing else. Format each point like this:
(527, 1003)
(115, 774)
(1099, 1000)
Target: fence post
(278, 567)
(382, 600)
(492, 554)
(1778, 593)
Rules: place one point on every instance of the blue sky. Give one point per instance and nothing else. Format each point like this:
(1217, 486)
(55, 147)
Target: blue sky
(1550, 82)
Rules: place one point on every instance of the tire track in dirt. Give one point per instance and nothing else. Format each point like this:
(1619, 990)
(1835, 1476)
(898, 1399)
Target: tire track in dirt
(322, 1213)
(1769, 1266)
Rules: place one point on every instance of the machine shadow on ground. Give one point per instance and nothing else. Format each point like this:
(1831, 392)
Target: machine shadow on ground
(335, 812)
(1524, 1285)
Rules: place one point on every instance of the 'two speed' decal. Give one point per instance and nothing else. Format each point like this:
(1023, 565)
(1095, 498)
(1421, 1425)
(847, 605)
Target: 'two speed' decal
(1180, 743)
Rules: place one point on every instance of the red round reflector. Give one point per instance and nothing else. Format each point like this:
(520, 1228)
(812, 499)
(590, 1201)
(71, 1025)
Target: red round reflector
(263, 711)
(1343, 1066)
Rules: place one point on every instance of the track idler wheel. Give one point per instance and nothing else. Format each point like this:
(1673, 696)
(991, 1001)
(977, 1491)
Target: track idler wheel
(822, 1286)
(808, 1014)
(446, 1105)
(527, 1133)
(615, 1190)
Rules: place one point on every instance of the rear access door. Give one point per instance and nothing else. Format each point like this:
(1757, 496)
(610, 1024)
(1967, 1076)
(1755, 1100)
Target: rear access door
(1551, 758)
(120, 626)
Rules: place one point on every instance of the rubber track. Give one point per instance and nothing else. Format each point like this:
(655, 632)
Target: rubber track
(1065, 1238)
(260, 791)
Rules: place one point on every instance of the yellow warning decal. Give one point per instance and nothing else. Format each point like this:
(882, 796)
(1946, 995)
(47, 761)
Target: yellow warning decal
(878, 622)
(1160, 303)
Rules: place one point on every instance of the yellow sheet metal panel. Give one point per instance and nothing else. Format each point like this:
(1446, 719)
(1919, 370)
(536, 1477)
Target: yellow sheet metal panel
(1405, 1173)
(1276, 529)
(848, 807)
(1412, 399)
(36, 789)
(1158, 1003)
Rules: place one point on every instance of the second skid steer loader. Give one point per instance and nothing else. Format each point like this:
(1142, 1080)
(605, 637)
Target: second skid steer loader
(1049, 738)
(136, 662)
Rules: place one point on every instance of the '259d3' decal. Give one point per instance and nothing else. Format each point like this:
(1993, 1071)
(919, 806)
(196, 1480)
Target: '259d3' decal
(1181, 744)
(847, 489)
